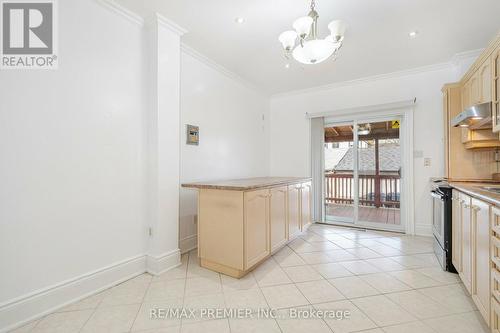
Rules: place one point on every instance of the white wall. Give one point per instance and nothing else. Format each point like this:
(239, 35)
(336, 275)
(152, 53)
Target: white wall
(233, 135)
(72, 145)
(289, 154)
(163, 144)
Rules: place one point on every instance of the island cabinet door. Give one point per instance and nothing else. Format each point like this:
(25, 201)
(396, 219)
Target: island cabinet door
(278, 209)
(256, 213)
(481, 257)
(456, 234)
(305, 205)
(495, 269)
(466, 272)
(293, 211)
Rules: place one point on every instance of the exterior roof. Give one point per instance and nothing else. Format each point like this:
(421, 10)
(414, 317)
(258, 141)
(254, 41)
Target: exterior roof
(390, 159)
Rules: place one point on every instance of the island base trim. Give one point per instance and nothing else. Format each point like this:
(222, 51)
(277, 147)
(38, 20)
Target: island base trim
(233, 272)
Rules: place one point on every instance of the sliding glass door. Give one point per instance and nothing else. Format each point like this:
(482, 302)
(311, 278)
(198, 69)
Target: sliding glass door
(363, 162)
(339, 176)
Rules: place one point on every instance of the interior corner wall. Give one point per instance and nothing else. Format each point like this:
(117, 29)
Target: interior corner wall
(232, 119)
(290, 154)
(163, 146)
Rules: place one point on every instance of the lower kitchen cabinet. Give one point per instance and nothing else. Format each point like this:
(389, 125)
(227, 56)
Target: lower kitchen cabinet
(305, 205)
(293, 211)
(481, 256)
(495, 316)
(466, 240)
(256, 230)
(475, 250)
(495, 269)
(279, 216)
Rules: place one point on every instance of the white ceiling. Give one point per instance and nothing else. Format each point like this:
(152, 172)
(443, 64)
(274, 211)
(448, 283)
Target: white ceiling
(376, 41)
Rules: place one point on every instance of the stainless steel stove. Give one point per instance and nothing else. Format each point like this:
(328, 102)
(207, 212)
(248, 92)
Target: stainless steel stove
(441, 193)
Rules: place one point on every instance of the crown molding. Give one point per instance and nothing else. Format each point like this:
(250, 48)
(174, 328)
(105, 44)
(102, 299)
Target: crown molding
(457, 58)
(188, 50)
(368, 79)
(122, 11)
(170, 25)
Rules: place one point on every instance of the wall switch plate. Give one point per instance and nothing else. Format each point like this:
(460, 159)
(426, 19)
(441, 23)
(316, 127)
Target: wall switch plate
(427, 161)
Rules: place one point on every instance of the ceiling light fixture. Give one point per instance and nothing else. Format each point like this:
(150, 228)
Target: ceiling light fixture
(364, 129)
(413, 34)
(239, 20)
(303, 42)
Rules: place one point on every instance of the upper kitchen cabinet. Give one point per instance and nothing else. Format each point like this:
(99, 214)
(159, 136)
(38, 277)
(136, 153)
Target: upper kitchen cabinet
(495, 89)
(472, 116)
(475, 89)
(484, 80)
(466, 94)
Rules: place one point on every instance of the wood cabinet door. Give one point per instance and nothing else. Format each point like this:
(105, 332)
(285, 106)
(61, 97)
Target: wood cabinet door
(495, 90)
(278, 215)
(256, 235)
(485, 81)
(456, 236)
(481, 257)
(293, 211)
(466, 94)
(475, 89)
(466, 273)
(305, 205)
(495, 262)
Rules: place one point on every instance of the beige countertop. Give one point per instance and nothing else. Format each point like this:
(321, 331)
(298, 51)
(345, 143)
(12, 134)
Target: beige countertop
(246, 183)
(474, 189)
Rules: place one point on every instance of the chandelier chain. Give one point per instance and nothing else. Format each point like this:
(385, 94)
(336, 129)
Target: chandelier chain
(313, 4)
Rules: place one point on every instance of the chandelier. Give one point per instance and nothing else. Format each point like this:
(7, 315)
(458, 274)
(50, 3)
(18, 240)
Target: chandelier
(303, 42)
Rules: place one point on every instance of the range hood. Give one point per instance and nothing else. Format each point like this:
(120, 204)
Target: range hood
(475, 117)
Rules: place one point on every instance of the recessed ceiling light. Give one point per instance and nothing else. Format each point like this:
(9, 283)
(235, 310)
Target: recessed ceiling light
(287, 65)
(413, 34)
(239, 20)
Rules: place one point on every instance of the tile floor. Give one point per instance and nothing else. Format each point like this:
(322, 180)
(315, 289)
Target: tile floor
(388, 282)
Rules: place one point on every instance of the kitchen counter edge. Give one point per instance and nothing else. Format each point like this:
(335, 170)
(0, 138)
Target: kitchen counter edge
(247, 184)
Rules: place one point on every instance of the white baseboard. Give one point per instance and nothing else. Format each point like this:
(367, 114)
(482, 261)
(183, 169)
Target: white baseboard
(160, 264)
(24, 309)
(188, 243)
(423, 229)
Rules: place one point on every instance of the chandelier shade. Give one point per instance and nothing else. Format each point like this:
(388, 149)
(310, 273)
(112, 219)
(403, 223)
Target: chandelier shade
(314, 52)
(337, 29)
(303, 43)
(287, 39)
(303, 26)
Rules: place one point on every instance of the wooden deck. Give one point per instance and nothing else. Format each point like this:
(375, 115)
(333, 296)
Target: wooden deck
(366, 214)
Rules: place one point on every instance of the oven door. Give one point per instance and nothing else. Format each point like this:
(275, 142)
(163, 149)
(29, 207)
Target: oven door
(438, 216)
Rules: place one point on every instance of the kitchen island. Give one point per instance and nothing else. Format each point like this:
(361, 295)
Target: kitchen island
(241, 222)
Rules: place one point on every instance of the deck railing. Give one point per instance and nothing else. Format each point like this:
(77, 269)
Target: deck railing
(374, 190)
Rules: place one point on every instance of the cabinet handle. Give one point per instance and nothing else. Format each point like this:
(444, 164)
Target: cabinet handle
(264, 196)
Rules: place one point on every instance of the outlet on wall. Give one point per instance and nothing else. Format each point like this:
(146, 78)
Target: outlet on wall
(427, 161)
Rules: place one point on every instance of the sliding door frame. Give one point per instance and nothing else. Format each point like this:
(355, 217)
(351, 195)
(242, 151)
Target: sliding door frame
(403, 111)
